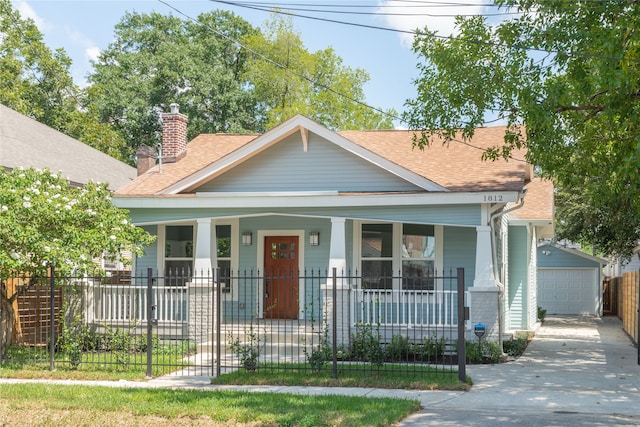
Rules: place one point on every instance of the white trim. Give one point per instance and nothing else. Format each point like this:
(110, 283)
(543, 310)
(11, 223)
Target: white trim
(260, 263)
(303, 199)
(284, 130)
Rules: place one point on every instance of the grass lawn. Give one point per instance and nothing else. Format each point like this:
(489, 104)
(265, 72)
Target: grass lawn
(48, 404)
(415, 378)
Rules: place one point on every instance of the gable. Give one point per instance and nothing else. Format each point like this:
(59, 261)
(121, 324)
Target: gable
(550, 256)
(317, 165)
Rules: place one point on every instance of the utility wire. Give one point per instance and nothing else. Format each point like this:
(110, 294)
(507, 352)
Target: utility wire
(315, 83)
(277, 64)
(432, 35)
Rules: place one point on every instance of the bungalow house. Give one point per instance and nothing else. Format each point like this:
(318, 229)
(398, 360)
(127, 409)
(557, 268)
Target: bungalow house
(302, 197)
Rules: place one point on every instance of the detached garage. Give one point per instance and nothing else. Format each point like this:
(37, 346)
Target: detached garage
(569, 281)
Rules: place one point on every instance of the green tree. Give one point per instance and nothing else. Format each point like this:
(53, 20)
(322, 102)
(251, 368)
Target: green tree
(565, 77)
(289, 80)
(156, 60)
(36, 82)
(44, 222)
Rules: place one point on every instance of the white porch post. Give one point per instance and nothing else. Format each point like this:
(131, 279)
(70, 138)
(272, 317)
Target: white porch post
(201, 307)
(338, 246)
(483, 296)
(484, 259)
(338, 311)
(202, 263)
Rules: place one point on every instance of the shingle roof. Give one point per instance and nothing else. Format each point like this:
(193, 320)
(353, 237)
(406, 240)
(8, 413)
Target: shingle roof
(538, 201)
(458, 167)
(26, 143)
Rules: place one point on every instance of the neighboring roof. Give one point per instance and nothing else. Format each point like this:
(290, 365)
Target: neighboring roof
(26, 143)
(456, 167)
(573, 252)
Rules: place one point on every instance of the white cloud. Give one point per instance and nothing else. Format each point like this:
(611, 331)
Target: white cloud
(92, 52)
(413, 15)
(26, 11)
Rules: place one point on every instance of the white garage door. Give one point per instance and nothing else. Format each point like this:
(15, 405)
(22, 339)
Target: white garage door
(568, 291)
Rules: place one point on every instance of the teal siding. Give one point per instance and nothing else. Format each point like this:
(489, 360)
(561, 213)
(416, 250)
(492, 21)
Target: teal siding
(559, 258)
(150, 257)
(460, 251)
(325, 166)
(518, 276)
(468, 215)
(315, 257)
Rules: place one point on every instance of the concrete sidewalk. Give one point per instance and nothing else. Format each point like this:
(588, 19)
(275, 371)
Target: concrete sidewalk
(574, 365)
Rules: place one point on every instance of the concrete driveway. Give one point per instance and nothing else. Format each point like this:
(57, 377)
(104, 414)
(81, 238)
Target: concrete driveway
(576, 371)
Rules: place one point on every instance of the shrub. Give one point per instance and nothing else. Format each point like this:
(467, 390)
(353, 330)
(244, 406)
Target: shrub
(542, 313)
(483, 352)
(516, 346)
(247, 353)
(399, 348)
(432, 347)
(365, 345)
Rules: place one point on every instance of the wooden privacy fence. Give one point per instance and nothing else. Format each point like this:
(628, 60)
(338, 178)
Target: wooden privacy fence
(627, 292)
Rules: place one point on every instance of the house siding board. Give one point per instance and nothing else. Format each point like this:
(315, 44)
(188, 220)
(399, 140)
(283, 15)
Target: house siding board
(464, 215)
(532, 314)
(324, 166)
(518, 276)
(460, 251)
(149, 259)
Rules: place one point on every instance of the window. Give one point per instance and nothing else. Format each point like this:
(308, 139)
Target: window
(178, 254)
(400, 256)
(223, 245)
(418, 257)
(377, 256)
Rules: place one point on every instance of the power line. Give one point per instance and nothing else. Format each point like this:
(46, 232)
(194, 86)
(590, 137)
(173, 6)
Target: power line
(313, 82)
(431, 35)
(277, 64)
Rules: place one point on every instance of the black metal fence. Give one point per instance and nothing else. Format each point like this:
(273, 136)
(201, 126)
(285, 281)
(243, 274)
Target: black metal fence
(209, 324)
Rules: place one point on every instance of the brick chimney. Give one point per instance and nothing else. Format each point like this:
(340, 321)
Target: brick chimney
(146, 158)
(174, 135)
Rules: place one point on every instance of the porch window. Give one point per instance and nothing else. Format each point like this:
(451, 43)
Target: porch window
(223, 245)
(418, 257)
(377, 256)
(178, 254)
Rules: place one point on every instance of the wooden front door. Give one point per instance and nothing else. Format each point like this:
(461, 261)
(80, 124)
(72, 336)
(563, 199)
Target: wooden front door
(281, 277)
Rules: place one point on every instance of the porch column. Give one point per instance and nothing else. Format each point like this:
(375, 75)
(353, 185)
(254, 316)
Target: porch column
(483, 296)
(338, 246)
(338, 312)
(201, 303)
(204, 234)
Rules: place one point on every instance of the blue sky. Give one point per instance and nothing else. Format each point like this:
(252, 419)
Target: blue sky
(83, 28)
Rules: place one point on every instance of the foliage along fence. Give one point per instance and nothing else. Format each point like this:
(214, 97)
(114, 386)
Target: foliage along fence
(184, 323)
(627, 302)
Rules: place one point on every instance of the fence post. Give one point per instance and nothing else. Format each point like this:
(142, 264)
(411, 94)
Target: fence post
(218, 303)
(52, 316)
(149, 322)
(462, 317)
(334, 323)
(638, 318)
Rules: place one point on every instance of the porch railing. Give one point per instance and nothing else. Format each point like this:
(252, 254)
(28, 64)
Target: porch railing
(404, 307)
